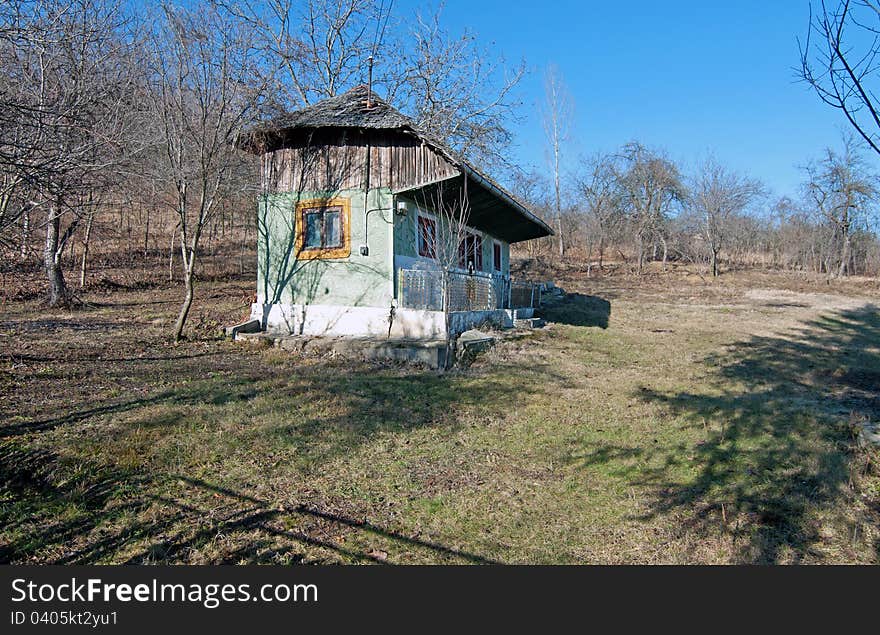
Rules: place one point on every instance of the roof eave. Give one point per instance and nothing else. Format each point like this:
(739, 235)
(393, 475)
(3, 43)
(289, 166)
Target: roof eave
(465, 172)
(524, 211)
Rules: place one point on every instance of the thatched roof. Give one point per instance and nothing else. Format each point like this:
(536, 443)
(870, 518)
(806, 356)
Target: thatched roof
(351, 110)
(347, 110)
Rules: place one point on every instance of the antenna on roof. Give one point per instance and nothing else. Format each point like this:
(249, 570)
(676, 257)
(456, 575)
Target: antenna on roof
(382, 16)
(370, 84)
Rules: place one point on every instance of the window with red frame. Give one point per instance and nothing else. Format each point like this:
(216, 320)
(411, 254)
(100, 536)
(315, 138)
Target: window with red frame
(427, 237)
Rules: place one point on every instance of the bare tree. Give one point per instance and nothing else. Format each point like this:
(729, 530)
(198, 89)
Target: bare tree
(454, 251)
(457, 91)
(718, 196)
(651, 185)
(839, 59)
(323, 46)
(598, 188)
(202, 63)
(558, 113)
(63, 111)
(534, 188)
(843, 191)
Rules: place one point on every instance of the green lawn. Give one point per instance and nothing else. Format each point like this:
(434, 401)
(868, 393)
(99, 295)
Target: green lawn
(665, 423)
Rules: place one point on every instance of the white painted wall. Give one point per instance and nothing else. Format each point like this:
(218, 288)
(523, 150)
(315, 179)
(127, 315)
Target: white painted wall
(350, 321)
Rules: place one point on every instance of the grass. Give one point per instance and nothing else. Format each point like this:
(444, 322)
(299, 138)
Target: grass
(666, 419)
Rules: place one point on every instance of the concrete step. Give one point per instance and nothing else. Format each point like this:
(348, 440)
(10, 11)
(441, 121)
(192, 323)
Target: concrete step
(251, 326)
(475, 341)
(530, 323)
(523, 314)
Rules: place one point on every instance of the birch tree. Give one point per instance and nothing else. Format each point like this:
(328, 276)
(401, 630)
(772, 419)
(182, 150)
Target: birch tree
(558, 113)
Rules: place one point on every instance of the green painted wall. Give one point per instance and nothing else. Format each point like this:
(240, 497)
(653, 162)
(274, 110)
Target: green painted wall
(405, 240)
(405, 231)
(355, 281)
(364, 281)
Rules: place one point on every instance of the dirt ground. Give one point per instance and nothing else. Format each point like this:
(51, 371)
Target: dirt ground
(662, 418)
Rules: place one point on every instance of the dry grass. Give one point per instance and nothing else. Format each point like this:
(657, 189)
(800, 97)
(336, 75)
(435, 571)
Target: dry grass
(662, 419)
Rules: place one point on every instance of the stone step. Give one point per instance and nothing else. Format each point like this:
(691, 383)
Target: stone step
(251, 326)
(529, 323)
(524, 313)
(475, 341)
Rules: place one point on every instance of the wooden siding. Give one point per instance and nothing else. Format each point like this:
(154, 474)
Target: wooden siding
(329, 163)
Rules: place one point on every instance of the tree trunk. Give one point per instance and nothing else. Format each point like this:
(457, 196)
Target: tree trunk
(85, 254)
(449, 352)
(146, 233)
(25, 233)
(187, 298)
(589, 257)
(714, 263)
(171, 257)
(641, 248)
(58, 294)
(559, 229)
(845, 254)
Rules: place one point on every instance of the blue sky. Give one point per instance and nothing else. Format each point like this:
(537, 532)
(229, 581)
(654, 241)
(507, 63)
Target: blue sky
(691, 77)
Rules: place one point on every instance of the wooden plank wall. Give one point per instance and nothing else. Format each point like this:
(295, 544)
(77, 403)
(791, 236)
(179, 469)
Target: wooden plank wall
(396, 161)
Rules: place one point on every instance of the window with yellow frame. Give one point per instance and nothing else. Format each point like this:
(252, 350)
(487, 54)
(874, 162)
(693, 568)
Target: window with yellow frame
(323, 228)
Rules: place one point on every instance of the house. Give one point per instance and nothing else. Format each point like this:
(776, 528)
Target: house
(354, 203)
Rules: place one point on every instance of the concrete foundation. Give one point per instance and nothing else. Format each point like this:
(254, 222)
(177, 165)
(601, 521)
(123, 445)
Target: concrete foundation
(430, 353)
(350, 321)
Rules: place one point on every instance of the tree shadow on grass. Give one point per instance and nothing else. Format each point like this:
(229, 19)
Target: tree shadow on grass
(275, 526)
(50, 500)
(76, 504)
(577, 309)
(778, 462)
(201, 392)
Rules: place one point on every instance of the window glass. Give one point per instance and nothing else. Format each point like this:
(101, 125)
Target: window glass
(332, 228)
(427, 237)
(496, 256)
(322, 229)
(313, 230)
(470, 252)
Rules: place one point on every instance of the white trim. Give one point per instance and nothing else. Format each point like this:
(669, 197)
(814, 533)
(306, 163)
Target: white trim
(482, 237)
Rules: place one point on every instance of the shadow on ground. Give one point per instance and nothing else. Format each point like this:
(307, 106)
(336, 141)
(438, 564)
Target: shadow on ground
(779, 468)
(101, 483)
(577, 309)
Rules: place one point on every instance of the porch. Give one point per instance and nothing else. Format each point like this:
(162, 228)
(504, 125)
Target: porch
(423, 289)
